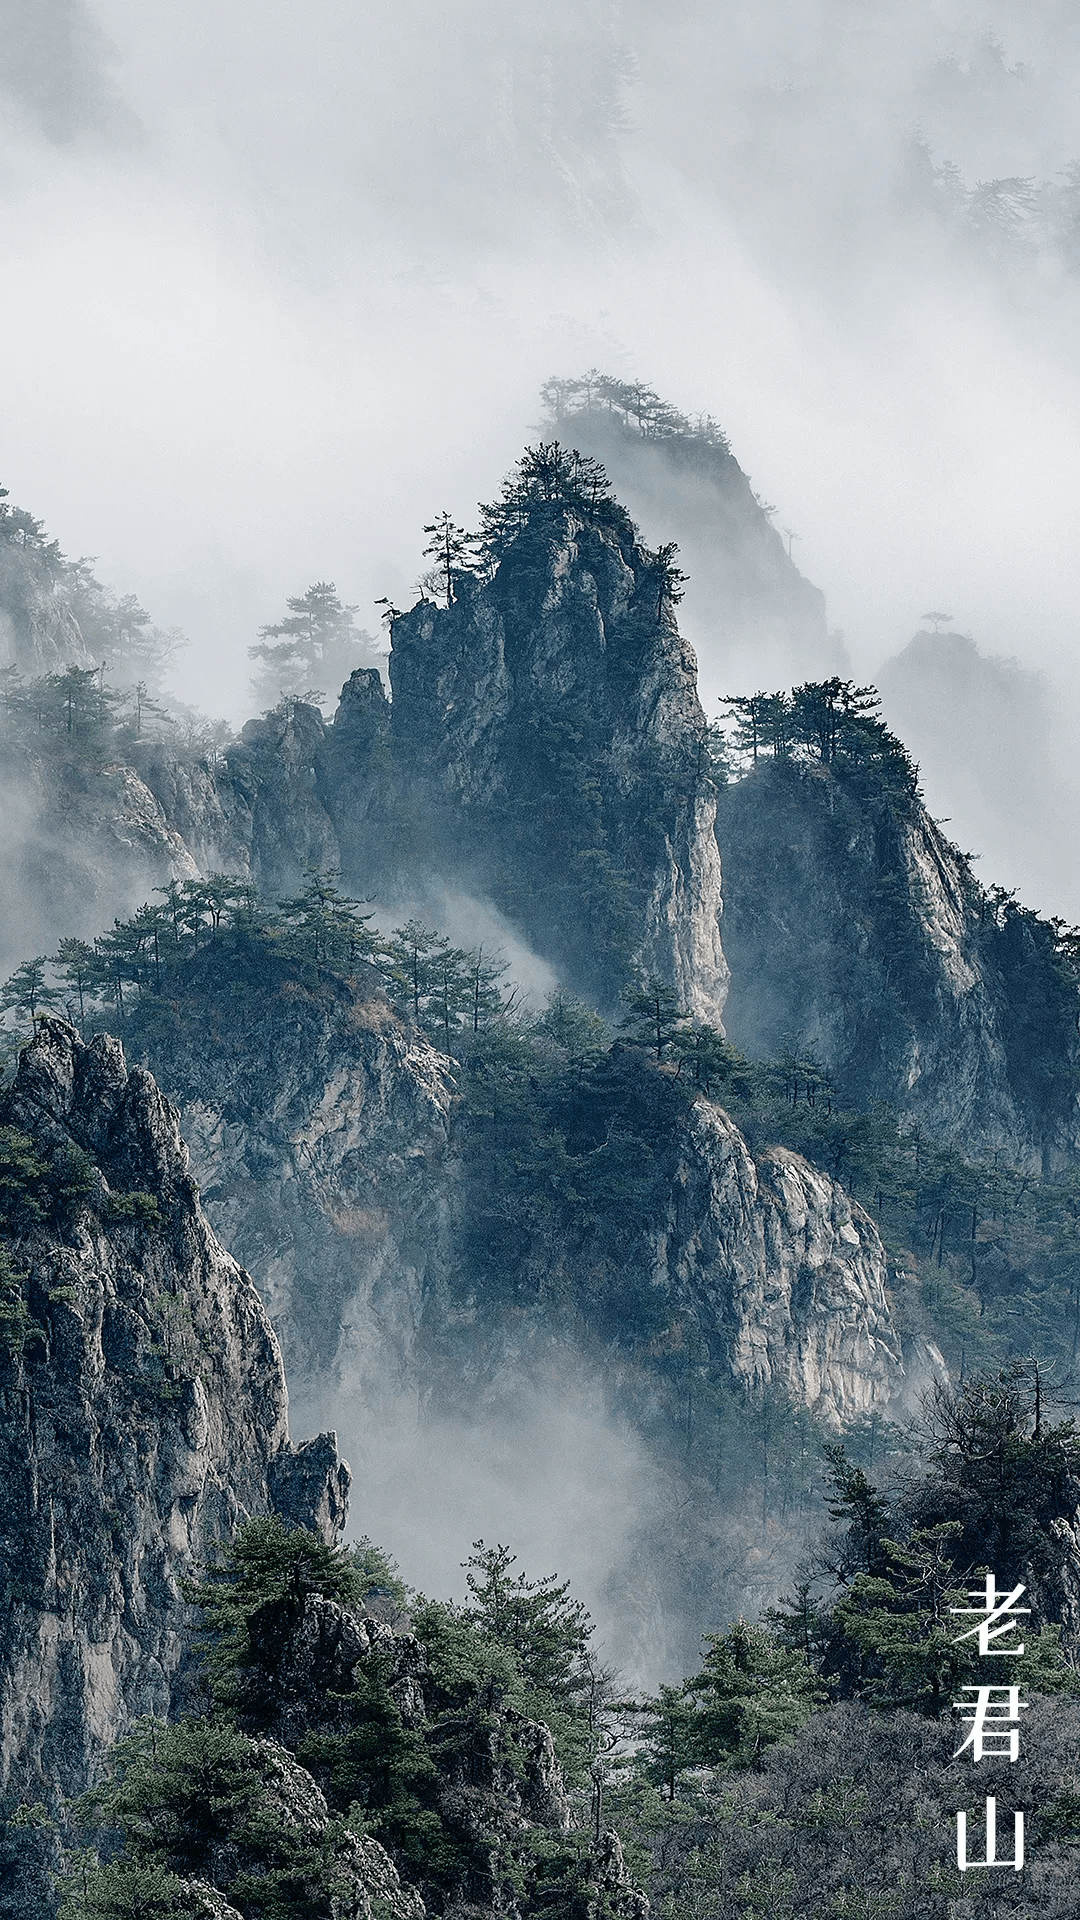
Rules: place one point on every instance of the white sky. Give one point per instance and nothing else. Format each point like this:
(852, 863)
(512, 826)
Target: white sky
(279, 282)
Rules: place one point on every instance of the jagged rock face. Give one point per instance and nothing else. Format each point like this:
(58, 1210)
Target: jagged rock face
(147, 1418)
(854, 926)
(544, 748)
(201, 807)
(549, 739)
(337, 1177)
(319, 1129)
(289, 795)
(82, 843)
(38, 630)
(364, 1881)
(746, 598)
(610, 1894)
(311, 1661)
(274, 796)
(773, 1255)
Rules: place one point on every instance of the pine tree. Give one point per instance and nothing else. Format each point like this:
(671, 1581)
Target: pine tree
(27, 990)
(313, 650)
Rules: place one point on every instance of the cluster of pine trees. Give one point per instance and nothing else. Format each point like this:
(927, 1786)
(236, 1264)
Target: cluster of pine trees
(634, 405)
(117, 631)
(811, 1765)
(153, 956)
(564, 1128)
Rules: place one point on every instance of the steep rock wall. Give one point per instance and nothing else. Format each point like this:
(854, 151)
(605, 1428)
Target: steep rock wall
(852, 924)
(746, 599)
(549, 741)
(324, 1139)
(775, 1259)
(319, 1130)
(82, 842)
(38, 630)
(143, 1417)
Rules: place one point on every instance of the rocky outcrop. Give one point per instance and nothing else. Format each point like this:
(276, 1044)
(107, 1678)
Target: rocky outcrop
(38, 630)
(545, 749)
(84, 841)
(747, 605)
(364, 1881)
(775, 1261)
(609, 1892)
(341, 1875)
(142, 1408)
(855, 928)
(319, 1129)
(309, 1660)
(550, 745)
(322, 1133)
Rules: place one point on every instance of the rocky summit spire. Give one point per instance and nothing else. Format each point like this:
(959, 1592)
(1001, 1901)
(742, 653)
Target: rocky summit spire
(551, 747)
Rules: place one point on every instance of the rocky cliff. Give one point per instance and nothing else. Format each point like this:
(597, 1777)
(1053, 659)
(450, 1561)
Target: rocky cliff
(775, 1260)
(319, 1129)
(39, 632)
(83, 841)
(549, 731)
(753, 615)
(338, 1154)
(855, 929)
(143, 1408)
(545, 749)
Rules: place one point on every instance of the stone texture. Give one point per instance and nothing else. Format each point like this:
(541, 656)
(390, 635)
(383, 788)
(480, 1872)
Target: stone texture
(319, 1129)
(549, 741)
(322, 1138)
(851, 923)
(782, 1267)
(145, 1422)
(38, 631)
(744, 595)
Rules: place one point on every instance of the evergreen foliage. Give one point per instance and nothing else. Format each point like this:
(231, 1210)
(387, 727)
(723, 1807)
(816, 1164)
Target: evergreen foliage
(634, 405)
(831, 721)
(118, 632)
(549, 481)
(212, 937)
(452, 553)
(702, 1763)
(312, 651)
(548, 1635)
(206, 1799)
(752, 1691)
(265, 1575)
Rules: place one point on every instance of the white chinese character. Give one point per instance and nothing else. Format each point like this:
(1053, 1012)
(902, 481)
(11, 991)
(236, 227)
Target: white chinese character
(989, 1716)
(995, 1606)
(991, 1860)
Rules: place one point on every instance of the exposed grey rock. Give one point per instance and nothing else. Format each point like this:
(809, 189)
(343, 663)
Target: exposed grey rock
(144, 1422)
(202, 807)
(745, 596)
(549, 744)
(609, 1890)
(782, 1267)
(208, 1902)
(310, 1485)
(366, 1881)
(544, 1796)
(852, 924)
(83, 842)
(38, 631)
(319, 1129)
(314, 1663)
(273, 796)
(323, 1143)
